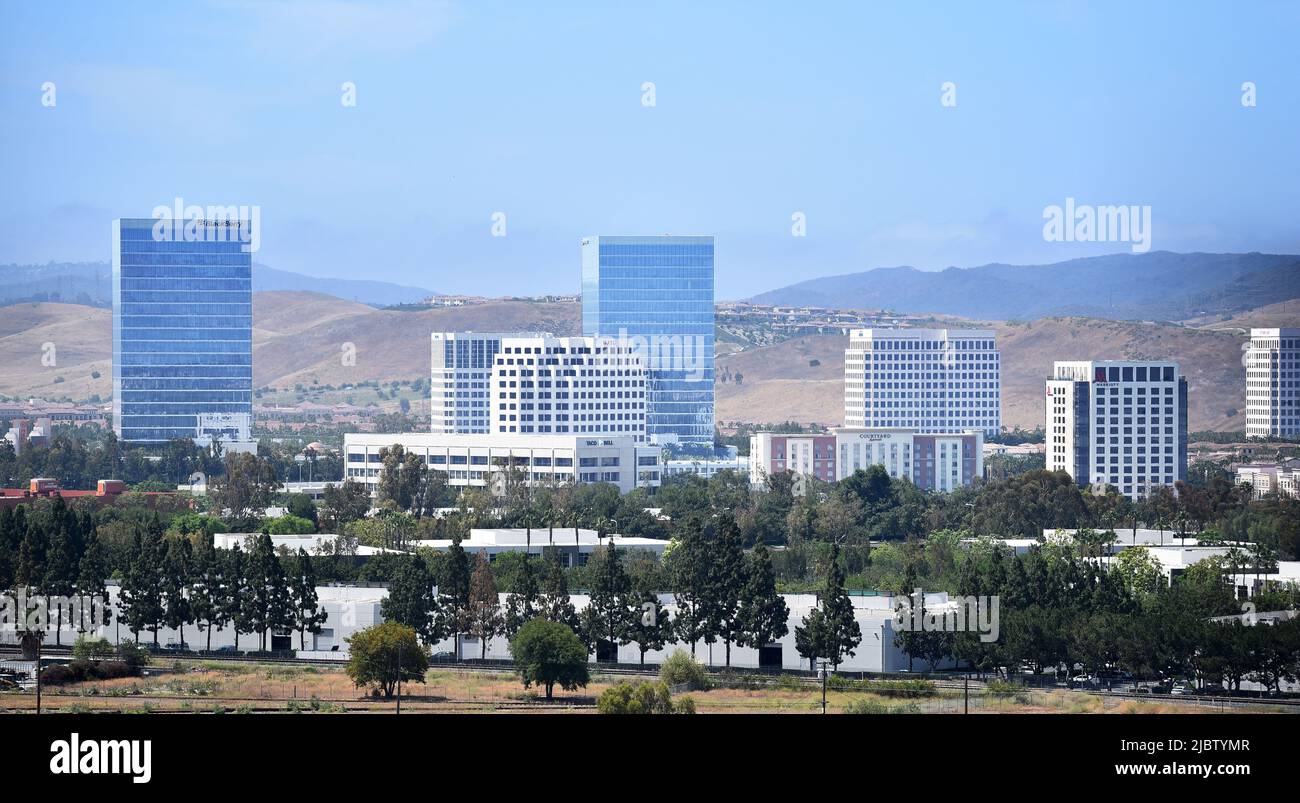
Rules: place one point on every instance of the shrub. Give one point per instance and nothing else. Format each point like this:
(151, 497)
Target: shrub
(682, 669)
(641, 698)
(876, 707)
(133, 655)
(80, 670)
(92, 649)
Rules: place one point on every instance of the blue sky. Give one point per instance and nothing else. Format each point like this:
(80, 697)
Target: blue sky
(762, 110)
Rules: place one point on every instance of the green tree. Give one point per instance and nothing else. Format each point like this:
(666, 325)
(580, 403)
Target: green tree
(411, 601)
(549, 653)
(140, 600)
(485, 620)
(92, 580)
(608, 614)
(650, 626)
(688, 566)
(60, 573)
(269, 601)
(384, 654)
(176, 580)
(763, 616)
(830, 631)
(524, 602)
(208, 591)
(308, 616)
(246, 489)
(344, 503)
(555, 603)
(727, 582)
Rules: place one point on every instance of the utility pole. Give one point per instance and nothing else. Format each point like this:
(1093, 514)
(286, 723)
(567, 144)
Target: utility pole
(966, 701)
(39, 644)
(399, 677)
(822, 673)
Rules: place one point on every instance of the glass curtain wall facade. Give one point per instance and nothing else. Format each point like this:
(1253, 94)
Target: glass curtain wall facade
(657, 291)
(182, 332)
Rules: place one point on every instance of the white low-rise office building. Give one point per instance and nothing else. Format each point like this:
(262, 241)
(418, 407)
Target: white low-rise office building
(473, 460)
(574, 546)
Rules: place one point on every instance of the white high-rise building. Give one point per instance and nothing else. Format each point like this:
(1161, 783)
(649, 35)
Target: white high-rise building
(1118, 422)
(1273, 383)
(568, 386)
(932, 381)
(460, 379)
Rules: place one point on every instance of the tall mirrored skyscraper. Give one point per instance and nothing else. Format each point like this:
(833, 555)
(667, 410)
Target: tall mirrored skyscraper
(657, 292)
(182, 330)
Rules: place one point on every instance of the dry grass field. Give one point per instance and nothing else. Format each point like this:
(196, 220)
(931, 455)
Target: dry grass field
(228, 687)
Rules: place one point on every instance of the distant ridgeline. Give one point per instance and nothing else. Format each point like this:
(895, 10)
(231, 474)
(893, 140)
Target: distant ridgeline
(91, 283)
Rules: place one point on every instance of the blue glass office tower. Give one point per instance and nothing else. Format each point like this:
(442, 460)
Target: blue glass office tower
(182, 331)
(659, 288)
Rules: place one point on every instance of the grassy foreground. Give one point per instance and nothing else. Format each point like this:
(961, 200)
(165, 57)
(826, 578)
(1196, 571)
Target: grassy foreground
(238, 687)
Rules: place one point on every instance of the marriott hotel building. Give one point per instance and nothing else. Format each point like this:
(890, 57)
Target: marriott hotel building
(1119, 423)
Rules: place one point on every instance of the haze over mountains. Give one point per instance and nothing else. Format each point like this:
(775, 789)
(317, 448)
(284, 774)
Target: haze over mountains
(1161, 286)
(91, 283)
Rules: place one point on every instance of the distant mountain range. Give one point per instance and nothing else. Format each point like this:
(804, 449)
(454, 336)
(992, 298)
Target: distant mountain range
(1161, 286)
(91, 283)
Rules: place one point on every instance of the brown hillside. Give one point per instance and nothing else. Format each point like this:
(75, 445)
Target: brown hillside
(390, 344)
(82, 344)
(299, 338)
(780, 385)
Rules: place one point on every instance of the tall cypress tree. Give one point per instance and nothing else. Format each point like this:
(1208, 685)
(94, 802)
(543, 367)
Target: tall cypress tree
(411, 601)
(763, 616)
(92, 580)
(234, 600)
(177, 577)
(60, 573)
(453, 587)
(555, 603)
(524, 602)
(140, 599)
(843, 634)
(485, 619)
(205, 590)
(650, 626)
(9, 541)
(726, 568)
(689, 569)
(608, 613)
(308, 615)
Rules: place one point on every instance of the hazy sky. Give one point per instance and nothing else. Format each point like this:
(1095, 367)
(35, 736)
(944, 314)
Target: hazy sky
(762, 110)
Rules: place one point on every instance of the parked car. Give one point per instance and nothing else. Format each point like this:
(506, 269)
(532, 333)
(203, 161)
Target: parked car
(443, 657)
(229, 648)
(176, 646)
